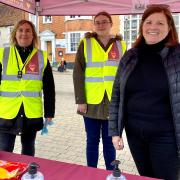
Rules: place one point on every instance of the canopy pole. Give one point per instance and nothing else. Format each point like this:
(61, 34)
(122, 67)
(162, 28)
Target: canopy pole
(38, 10)
(126, 20)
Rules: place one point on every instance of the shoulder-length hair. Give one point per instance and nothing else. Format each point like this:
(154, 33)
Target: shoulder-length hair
(13, 40)
(172, 37)
(104, 13)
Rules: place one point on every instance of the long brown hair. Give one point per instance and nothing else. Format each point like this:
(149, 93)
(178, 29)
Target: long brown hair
(20, 23)
(172, 37)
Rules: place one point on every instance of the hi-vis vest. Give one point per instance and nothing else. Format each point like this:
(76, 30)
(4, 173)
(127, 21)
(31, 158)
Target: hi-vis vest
(27, 90)
(100, 68)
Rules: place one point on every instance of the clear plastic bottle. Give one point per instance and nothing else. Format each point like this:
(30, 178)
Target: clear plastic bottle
(32, 173)
(116, 175)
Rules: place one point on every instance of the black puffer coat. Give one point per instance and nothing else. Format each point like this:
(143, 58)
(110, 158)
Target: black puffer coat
(171, 61)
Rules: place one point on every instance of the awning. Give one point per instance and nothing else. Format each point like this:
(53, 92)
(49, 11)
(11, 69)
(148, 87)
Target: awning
(88, 7)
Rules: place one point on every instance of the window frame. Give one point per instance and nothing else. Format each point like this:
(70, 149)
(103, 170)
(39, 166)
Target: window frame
(47, 21)
(77, 17)
(68, 41)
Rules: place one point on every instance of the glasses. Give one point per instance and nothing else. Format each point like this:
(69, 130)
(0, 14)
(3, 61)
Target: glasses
(103, 23)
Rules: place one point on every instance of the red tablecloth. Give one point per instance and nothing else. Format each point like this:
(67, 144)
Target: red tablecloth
(55, 170)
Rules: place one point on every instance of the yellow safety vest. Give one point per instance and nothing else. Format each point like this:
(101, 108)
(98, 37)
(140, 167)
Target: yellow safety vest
(100, 69)
(28, 89)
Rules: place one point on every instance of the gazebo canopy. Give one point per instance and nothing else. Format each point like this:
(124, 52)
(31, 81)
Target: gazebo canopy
(87, 7)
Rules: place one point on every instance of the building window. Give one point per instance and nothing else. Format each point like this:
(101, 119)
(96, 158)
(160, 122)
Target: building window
(47, 19)
(134, 24)
(72, 17)
(11, 28)
(133, 35)
(32, 18)
(5, 33)
(176, 21)
(73, 39)
(130, 28)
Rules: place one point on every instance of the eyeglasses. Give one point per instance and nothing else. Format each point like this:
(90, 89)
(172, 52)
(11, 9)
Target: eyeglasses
(103, 23)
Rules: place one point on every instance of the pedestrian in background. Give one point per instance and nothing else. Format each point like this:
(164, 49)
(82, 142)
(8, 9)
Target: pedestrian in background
(25, 73)
(95, 67)
(62, 65)
(145, 98)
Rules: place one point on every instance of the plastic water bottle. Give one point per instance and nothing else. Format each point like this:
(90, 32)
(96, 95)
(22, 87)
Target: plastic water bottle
(116, 175)
(32, 173)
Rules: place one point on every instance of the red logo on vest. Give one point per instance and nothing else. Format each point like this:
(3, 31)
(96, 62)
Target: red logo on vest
(32, 67)
(113, 54)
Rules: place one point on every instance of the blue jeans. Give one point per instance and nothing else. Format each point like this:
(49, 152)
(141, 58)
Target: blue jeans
(7, 142)
(94, 129)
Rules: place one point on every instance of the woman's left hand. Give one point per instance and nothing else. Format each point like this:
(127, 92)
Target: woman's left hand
(118, 142)
(49, 119)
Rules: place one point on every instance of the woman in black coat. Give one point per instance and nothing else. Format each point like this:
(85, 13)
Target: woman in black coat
(146, 98)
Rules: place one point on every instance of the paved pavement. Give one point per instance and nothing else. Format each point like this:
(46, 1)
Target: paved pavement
(66, 139)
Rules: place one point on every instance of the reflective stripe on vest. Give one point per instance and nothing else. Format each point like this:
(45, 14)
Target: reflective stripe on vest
(89, 63)
(99, 79)
(89, 53)
(100, 69)
(24, 93)
(24, 76)
(27, 90)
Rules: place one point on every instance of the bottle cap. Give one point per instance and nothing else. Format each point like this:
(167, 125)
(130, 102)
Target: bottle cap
(32, 169)
(116, 171)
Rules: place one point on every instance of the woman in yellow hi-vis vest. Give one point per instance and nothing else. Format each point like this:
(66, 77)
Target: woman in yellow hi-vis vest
(25, 74)
(95, 67)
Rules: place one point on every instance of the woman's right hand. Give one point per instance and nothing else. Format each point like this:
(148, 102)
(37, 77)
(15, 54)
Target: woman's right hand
(82, 108)
(118, 142)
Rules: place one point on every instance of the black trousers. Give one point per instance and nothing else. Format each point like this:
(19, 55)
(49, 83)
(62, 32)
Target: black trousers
(154, 150)
(7, 142)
